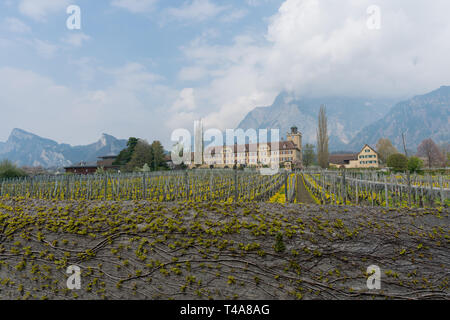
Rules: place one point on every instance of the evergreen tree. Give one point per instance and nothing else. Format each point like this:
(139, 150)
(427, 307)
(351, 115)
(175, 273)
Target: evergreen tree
(125, 155)
(159, 159)
(142, 154)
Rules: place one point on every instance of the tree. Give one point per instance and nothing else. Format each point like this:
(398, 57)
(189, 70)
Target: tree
(398, 162)
(159, 159)
(385, 149)
(125, 155)
(142, 155)
(9, 170)
(322, 139)
(309, 156)
(415, 164)
(445, 150)
(430, 151)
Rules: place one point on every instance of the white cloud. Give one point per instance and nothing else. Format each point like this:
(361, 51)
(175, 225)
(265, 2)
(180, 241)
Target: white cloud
(324, 48)
(195, 10)
(256, 3)
(76, 39)
(39, 9)
(135, 6)
(234, 15)
(45, 49)
(132, 105)
(15, 25)
(192, 73)
(186, 100)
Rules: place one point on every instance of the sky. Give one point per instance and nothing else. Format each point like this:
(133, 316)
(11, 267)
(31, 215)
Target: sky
(144, 68)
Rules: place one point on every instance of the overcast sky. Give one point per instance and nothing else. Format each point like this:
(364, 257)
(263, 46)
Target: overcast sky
(146, 67)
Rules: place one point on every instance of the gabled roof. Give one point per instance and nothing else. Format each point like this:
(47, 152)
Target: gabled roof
(366, 145)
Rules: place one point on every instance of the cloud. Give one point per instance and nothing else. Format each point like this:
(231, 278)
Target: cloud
(256, 3)
(39, 9)
(192, 73)
(133, 104)
(15, 25)
(135, 6)
(195, 10)
(320, 48)
(45, 49)
(186, 101)
(76, 39)
(234, 15)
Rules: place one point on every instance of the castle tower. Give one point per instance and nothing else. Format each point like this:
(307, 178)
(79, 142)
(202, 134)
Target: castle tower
(295, 136)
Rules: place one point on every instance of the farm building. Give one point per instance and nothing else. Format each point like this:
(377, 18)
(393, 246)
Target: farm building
(366, 158)
(105, 162)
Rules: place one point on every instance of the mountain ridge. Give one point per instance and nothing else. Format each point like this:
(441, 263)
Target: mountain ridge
(28, 149)
(354, 122)
(287, 111)
(420, 117)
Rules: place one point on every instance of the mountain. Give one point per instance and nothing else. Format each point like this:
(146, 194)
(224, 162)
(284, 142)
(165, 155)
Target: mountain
(424, 116)
(27, 149)
(346, 116)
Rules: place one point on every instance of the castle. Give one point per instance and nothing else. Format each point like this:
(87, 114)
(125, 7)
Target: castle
(286, 153)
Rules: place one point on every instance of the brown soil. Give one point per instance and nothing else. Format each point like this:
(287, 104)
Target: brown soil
(142, 250)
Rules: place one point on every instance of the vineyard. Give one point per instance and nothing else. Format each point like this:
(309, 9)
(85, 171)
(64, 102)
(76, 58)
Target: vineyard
(196, 186)
(225, 235)
(323, 187)
(378, 189)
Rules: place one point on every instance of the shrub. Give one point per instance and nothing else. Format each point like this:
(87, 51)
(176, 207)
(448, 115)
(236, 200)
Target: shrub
(398, 162)
(279, 244)
(414, 164)
(9, 170)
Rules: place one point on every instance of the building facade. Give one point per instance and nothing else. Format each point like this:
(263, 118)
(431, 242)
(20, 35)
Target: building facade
(366, 158)
(285, 153)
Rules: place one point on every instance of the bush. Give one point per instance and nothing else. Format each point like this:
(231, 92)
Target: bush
(9, 170)
(279, 244)
(414, 164)
(398, 162)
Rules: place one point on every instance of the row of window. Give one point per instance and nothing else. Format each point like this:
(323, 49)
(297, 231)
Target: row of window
(368, 162)
(368, 156)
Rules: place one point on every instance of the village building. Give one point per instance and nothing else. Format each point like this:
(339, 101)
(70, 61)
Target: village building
(286, 153)
(366, 158)
(105, 162)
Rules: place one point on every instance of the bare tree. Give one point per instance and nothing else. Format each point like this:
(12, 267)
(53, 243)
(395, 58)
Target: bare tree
(430, 151)
(322, 139)
(385, 149)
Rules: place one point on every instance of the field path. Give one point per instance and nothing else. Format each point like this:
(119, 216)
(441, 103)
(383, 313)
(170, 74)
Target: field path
(303, 195)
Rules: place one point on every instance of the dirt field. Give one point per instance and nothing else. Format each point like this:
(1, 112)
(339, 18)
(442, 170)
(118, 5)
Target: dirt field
(141, 250)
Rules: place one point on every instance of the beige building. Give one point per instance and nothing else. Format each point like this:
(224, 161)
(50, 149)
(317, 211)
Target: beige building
(366, 158)
(286, 153)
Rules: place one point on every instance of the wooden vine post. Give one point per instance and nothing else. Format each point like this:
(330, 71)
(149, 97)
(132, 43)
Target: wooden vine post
(386, 193)
(286, 187)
